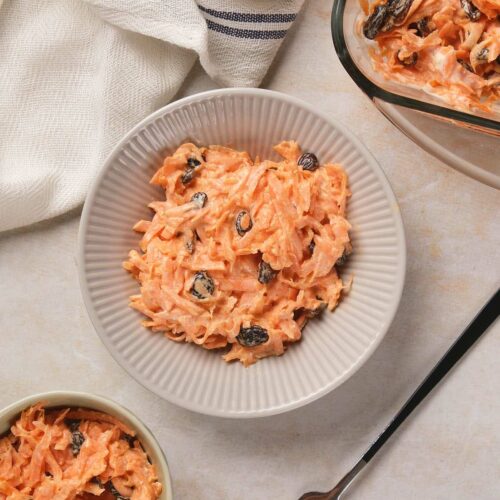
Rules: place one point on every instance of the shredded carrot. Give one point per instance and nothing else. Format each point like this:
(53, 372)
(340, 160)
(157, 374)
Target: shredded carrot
(241, 252)
(73, 454)
(445, 49)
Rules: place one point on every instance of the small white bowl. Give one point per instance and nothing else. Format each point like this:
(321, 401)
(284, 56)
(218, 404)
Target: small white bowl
(333, 347)
(85, 400)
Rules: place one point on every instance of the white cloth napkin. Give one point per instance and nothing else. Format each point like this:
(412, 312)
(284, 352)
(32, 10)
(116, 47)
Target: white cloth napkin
(75, 75)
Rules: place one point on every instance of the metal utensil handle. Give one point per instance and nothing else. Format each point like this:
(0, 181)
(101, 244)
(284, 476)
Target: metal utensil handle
(474, 330)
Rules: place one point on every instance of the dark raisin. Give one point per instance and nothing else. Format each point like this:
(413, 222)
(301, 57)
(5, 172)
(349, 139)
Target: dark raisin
(311, 246)
(110, 487)
(375, 22)
(252, 336)
(472, 12)
(385, 16)
(483, 54)
(77, 440)
(97, 481)
(411, 60)
(308, 161)
(314, 313)
(421, 27)
(266, 273)
(130, 439)
(193, 163)
(203, 285)
(188, 175)
(466, 65)
(73, 424)
(309, 313)
(243, 222)
(398, 10)
(342, 259)
(200, 199)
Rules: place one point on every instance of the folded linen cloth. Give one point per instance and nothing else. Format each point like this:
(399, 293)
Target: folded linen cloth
(75, 75)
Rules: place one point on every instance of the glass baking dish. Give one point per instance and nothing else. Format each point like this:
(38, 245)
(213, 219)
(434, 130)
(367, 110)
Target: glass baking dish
(352, 50)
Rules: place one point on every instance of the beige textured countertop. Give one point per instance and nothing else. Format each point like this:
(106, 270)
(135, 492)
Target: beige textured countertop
(450, 448)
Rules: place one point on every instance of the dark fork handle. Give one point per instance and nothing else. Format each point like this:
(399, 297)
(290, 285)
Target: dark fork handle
(474, 330)
(485, 317)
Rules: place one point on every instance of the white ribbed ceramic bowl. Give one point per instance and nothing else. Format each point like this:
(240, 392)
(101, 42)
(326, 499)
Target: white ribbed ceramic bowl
(333, 347)
(85, 400)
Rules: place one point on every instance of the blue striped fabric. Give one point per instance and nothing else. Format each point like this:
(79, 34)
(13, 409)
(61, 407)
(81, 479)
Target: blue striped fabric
(249, 17)
(246, 17)
(245, 33)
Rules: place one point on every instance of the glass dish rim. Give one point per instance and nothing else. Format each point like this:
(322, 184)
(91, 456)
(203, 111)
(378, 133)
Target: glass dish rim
(372, 90)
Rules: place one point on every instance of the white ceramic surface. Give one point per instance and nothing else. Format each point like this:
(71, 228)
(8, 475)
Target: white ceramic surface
(332, 349)
(85, 400)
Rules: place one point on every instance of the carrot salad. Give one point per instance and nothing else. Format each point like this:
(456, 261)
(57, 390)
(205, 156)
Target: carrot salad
(449, 48)
(242, 252)
(74, 454)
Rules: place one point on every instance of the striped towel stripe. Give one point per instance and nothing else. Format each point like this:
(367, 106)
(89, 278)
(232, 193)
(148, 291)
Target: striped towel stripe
(249, 17)
(245, 33)
(262, 21)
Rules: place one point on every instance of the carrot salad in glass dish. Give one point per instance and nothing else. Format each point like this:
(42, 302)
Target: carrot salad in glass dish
(74, 454)
(448, 48)
(242, 252)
